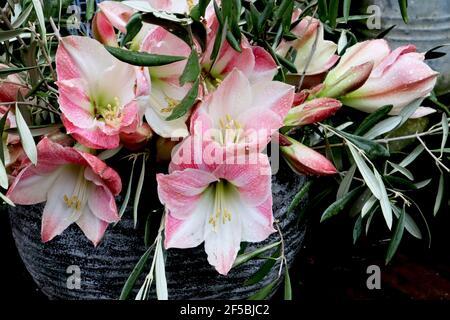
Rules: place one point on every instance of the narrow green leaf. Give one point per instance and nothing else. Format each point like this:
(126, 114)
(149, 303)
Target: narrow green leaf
(264, 270)
(22, 17)
(128, 193)
(344, 187)
(250, 255)
(404, 9)
(143, 59)
(398, 234)
(265, 292)
(7, 71)
(233, 42)
(90, 9)
(185, 104)
(357, 229)
(372, 120)
(368, 206)
(322, 10)
(346, 9)
(26, 137)
(367, 174)
(410, 224)
(444, 132)
(385, 32)
(340, 204)
(402, 170)
(10, 34)
(160, 274)
(371, 148)
(131, 281)
(300, 196)
(199, 10)
(410, 157)
(385, 126)
(385, 203)
(3, 176)
(439, 195)
(422, 184)
(6, 200)
(2, 128)
(333, 11)
(137, 196)
(192, 70)
(134, 25)
(287, 286)
(40, 15)
(287, 64)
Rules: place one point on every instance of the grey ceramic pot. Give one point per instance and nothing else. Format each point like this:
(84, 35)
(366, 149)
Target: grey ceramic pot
(428, 27)
(105, 269)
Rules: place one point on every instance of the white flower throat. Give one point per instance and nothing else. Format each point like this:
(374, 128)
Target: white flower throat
(77, 201)
(111, 113)
(221, 215)
(229, 131)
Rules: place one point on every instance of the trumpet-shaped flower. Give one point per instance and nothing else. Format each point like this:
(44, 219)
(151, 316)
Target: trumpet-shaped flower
(76, 186)
(241, 113)
(314, 55)
(165, 92)
(96, 92)
(219, 205)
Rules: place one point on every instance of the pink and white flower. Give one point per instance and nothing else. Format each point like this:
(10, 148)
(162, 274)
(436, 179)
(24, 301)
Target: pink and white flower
(96, 93)
(322, 51)
(242, 114)
(399, 79)
(312, 111)
(11, 86)
(219, 205)
(165, 92)
(76, 186)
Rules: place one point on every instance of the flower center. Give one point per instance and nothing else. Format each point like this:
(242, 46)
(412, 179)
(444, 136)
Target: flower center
(78, 199)
(190, 4)
(229, 131)
(221, 215)
(111, 113)
(171, 104)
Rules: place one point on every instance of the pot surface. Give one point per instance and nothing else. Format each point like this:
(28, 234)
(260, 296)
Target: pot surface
(104, 270)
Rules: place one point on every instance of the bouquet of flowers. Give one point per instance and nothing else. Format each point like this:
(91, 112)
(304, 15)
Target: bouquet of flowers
(206, 86)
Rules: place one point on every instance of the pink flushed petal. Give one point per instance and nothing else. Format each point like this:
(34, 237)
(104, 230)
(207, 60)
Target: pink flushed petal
(181, 191)
(229, 59)
(102, 204)
(75, 104)
(92, 138)
(161, 41)
(391, 59)
(257, 223)
(117, 13)
(28, 188)
(92, 227)
(252, 178)
(103, 30)
(108, 175)
(265, 67)
(143, 82)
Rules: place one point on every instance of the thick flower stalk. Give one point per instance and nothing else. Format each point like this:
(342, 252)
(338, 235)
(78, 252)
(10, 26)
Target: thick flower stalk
(96, 93)
(220, 205)
(76, 186)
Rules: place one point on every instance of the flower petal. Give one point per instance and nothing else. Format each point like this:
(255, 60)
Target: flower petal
(92, 227)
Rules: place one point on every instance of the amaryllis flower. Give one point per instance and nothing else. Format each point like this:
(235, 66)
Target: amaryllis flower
(253, 61)
(399, 79)
(76, 186)
(219, 205)
(310, 42)
(242, 114)
(304, 160)
(313, 111)
(96, 92)
(165, 92)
